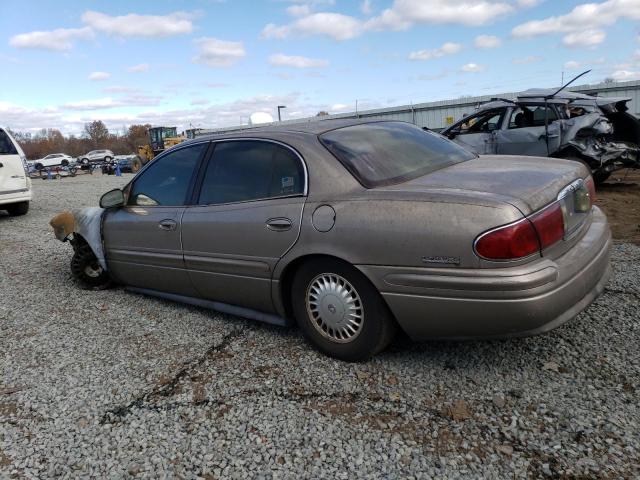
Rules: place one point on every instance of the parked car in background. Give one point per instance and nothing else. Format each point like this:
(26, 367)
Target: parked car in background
(96, 156)
(15, 184)
(596, 131)
(53, 160)
(130, 163)
(352, 229)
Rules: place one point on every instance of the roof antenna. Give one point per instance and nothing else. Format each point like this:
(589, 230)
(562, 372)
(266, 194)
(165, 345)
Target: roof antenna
(546, 107)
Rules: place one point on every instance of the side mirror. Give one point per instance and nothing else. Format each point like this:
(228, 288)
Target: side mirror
(113, 198)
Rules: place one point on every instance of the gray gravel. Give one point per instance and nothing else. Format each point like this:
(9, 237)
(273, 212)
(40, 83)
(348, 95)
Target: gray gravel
(112, 384)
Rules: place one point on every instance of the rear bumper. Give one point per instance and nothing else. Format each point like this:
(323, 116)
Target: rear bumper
(506, 302)
(15, 196)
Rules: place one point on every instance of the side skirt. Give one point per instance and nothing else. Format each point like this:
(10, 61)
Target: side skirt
(218, 306)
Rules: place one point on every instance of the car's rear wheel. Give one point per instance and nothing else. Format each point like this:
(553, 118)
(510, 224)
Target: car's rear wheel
(64, 163)
(340, 311)
(107, 159)
(86, 269)
(17, 209)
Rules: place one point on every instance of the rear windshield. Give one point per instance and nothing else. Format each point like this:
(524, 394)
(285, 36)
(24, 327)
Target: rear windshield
(383, 153)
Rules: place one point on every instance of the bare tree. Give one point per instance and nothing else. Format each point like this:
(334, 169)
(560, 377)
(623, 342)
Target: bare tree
(97, 132)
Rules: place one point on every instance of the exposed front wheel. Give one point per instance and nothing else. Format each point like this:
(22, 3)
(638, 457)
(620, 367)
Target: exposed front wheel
(339, 310)
(86, 269)
(17, 209)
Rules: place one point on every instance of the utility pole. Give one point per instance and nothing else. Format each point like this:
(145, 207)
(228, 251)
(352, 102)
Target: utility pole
(357, 115)
(280, 107)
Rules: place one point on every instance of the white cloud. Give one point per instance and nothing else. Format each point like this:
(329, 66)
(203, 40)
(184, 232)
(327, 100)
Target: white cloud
(366, 7)
(98, 76)
(472, 68)
(585, 38)
(334, 25)
(487, 41)
(200, 101)
(529, 3)
(583, 25)
(526, 60)
(281, 60)
(448, 48)
(218, 53)
(405, 13)
(120, 89)
(625, 75)
(299, 10)
(140, 68)
(59, 40)
(339, 107)
(572, 65)
(134, 25)
(96, 104)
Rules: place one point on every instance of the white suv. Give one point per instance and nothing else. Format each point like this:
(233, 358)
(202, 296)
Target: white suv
(95, 156)
(15, 184)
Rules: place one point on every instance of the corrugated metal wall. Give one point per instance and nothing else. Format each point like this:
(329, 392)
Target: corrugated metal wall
(438, 115)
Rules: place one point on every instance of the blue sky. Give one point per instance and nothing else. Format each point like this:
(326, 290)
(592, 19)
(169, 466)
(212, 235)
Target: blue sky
(212, 63)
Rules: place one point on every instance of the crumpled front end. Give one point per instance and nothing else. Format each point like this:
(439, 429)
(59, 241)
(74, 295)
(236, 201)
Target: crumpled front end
(85, 224)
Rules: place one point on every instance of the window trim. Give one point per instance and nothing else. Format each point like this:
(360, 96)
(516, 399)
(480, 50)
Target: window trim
(190, 188)
(205, 164)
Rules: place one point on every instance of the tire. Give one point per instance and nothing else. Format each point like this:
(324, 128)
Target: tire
(84, 161)
(107, 159)
(86, 269)
(73, 171)
(17, 209)
(373, 327)
(38, 166)
(64, 163)
(136, 165)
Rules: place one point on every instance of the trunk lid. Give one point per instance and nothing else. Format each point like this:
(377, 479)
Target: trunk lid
(528, 183)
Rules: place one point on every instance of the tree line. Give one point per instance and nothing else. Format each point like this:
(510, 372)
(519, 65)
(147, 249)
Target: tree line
(95, 136)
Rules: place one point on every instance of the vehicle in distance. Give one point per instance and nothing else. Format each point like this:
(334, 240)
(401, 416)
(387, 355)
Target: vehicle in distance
(96, 156)
(352, 229)
(597, 131)
(15, 184)
(53, 160)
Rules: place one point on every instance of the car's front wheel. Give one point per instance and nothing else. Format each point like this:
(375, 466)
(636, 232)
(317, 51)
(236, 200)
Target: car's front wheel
(18, 209)
(86, 269)
(340, 311)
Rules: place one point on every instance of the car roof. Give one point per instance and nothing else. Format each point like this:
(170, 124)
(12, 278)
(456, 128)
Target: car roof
(314, 127)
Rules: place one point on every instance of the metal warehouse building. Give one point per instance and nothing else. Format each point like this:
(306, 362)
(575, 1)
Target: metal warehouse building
(438, 115)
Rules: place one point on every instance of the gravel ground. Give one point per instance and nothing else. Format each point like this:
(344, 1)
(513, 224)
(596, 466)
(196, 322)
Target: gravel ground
(113, 384)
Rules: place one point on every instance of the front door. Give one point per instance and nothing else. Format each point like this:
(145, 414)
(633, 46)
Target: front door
(142, 239)
(478, 133)
(247, 217)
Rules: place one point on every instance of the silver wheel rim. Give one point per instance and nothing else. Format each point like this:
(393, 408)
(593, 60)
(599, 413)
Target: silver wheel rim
(93, 271)
(334, 308)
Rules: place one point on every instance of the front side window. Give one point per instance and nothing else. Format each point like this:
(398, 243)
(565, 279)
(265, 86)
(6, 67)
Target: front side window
(6, 145)
(241, 171)
(484, 122)
(383, 153)
(166, 181)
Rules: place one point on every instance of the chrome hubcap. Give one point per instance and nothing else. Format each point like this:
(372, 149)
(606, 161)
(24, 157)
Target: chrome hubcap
(93, 270)
(335, 308)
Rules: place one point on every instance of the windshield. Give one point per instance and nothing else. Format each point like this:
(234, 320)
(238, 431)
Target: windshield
(384, 153)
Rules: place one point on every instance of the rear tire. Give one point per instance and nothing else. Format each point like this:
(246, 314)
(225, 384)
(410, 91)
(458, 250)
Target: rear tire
(340, 311)
(86, 269)
(64, 163)
(136, 165)
(18, 209)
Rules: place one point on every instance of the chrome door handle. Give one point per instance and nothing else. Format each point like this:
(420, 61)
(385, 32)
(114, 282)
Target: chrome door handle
(167, 225)
(279, 224)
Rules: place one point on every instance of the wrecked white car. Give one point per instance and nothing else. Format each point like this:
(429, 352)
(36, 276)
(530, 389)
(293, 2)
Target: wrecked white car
(597, 131)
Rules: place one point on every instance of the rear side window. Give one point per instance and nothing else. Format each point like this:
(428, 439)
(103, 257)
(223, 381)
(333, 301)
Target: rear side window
(166, 181)
(241, 171)
(6, 145)
(384, 153)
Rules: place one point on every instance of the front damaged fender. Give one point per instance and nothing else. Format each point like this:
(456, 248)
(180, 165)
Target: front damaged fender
(86, 223)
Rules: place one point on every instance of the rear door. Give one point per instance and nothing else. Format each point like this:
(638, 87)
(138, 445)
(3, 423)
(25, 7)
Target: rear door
(524, 132)
(247, 216)
(142, 239)
(13, 178)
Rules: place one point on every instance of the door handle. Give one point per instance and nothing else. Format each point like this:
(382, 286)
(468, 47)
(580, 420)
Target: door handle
(279, 224)
(167, 225)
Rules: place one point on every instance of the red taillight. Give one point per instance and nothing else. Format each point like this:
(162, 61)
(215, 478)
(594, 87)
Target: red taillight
(523, 238)
(549, 223)
(509, 242)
